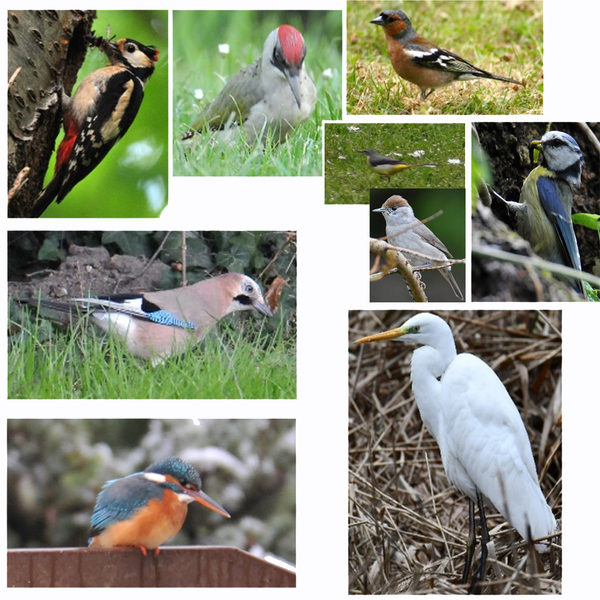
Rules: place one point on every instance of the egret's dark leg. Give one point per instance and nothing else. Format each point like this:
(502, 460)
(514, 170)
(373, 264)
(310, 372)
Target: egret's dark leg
(470, 542)
(485, 537)
(475, 587)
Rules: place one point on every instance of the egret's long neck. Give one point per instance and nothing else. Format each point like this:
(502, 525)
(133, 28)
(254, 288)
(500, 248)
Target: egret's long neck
(427, 367)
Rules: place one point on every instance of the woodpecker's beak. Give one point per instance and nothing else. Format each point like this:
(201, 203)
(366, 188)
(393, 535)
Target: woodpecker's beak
(206, 500)
(385, 335)
(293, 76)
(112, 48)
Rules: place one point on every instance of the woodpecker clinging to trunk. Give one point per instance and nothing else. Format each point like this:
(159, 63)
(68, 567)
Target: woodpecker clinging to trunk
(271, 96)
(99, 114)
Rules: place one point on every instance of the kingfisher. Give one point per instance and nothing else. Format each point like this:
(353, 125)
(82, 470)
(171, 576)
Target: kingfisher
(146, 509)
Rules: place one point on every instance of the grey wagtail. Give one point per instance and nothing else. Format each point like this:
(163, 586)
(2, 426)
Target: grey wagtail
(386, 166)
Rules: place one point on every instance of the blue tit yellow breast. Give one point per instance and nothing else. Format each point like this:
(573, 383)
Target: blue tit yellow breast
(546, 223)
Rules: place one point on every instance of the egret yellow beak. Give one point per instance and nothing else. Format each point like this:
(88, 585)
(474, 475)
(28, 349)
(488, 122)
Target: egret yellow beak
(384, 335)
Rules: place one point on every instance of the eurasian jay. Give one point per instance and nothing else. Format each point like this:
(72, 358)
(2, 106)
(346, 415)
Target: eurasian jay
(157, 325)
(406, 232)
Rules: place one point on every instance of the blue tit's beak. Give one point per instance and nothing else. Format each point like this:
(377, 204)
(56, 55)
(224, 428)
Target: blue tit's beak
(533, 146)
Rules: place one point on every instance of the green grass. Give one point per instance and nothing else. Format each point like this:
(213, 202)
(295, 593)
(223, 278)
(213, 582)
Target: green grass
(198, 65)
(83, 363)
(348, 177)
(499, 37)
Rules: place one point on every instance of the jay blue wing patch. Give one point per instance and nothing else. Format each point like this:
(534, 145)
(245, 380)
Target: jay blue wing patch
(162, 317)
(550, 193)
(140, 307)
(120, 499)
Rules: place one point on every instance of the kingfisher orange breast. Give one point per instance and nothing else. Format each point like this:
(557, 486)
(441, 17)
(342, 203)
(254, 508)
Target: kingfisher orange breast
(149, 527)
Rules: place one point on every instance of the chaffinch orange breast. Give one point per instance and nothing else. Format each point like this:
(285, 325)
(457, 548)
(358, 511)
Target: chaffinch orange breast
(422, 62)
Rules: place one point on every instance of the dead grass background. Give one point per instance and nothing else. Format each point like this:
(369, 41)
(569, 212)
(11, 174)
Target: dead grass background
(407, 525)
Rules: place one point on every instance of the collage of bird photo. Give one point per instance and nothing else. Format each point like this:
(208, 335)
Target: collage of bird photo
(201, 344)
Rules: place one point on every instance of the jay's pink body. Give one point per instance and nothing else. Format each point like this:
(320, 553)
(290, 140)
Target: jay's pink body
(156, 325)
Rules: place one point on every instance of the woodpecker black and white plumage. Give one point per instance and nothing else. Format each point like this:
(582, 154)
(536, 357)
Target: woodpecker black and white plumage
(99, 114)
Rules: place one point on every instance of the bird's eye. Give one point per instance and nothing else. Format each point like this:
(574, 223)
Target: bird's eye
(417, 328)
(130, 48)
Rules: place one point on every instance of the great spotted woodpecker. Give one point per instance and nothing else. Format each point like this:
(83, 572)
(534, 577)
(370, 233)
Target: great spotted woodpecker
(99, 114)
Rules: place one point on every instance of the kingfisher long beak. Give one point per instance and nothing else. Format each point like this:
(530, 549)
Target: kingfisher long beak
(207, 501)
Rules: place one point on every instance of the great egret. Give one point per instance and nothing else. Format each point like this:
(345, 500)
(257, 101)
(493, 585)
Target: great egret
(484, 446)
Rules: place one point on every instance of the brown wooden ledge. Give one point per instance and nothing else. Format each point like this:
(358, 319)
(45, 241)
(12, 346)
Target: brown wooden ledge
(175, 566)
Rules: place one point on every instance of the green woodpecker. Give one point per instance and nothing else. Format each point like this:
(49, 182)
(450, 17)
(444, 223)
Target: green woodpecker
(270, 97)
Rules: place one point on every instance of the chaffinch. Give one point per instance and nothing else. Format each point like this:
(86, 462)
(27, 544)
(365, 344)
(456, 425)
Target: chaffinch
(386, 166)
(422, 62)
(544, 210)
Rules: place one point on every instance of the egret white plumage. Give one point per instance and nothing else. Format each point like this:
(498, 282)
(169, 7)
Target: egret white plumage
(483, 442)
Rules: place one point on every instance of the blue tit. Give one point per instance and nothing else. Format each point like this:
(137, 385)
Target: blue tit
(544, 211)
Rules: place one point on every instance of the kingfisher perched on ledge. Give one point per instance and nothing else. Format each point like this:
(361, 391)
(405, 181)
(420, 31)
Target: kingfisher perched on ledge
(146, 509)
